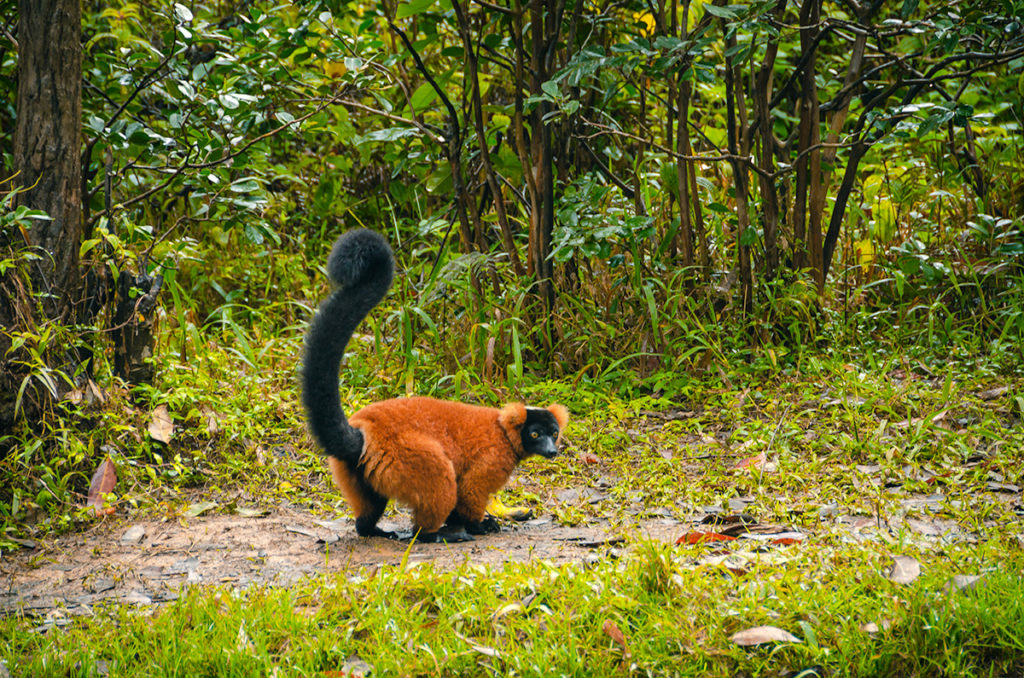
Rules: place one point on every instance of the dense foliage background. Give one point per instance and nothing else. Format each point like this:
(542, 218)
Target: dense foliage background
(613, 194)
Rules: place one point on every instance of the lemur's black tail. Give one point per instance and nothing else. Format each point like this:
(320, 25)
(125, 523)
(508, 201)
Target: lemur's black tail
(362, 265)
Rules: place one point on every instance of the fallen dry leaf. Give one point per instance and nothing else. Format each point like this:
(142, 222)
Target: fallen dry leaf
(904, 570)
(733, 519)
(250, 512)
(103, 481)
(692, 538)
(758, 460)
(786, 541)
(93, 393)
(485, 650)
(161, 428)
(873, 628)
(612, 630)
(761, 635)
(589, 458)
(961, 582)
(198, 509)
(511, 608)
(761, 531)
(212, 425)
(489, 357)
(993, 393)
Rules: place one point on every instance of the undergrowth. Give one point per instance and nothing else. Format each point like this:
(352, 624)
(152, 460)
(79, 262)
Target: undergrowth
(229, 383)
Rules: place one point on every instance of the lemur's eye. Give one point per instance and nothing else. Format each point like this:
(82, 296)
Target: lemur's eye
(534, 434)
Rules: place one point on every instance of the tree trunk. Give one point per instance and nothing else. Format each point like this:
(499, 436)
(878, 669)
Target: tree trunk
(47, 144)
(48, 177)
(543, 37)
(810, 189)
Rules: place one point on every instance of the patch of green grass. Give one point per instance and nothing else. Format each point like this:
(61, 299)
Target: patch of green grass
(674, 607)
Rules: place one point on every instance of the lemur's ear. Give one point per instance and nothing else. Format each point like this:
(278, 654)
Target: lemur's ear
(512, 417)
(561, 415)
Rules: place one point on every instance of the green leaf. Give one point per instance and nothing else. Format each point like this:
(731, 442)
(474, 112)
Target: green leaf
(413, 8)
(86, 246)
(253, 234)
(245, 185)
(933, 121)
(182, 12)
(652, 309)
(501, 121)
(749, 236)
(424, 95)
(23, 213)
(728, 12)
(389, 134)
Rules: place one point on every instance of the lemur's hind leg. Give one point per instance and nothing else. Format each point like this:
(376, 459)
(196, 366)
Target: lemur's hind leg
(416, 472)
(366, 503)
(366, 523)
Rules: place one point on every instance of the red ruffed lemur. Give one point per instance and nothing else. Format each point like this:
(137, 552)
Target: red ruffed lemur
(443, 459)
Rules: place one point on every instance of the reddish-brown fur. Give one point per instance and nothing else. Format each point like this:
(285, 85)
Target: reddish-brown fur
(440, 456)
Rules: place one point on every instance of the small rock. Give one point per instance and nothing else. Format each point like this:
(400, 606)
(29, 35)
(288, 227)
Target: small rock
(100, 585)
(826, 511)
(567, 496)
(183, 566)
(27, 543)
(138, 598)
(357, 668)
(737, 504)
(133, 535)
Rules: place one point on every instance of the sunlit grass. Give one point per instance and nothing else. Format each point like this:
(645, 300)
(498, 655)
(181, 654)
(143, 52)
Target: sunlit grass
(675, 609)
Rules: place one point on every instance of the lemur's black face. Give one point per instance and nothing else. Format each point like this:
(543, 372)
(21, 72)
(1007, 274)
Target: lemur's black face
(540, 433)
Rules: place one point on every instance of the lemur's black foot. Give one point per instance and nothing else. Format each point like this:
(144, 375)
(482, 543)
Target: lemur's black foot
(447, 536)
(489, 525)
(371, 530)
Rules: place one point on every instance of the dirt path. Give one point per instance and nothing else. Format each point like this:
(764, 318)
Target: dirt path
(150, 561)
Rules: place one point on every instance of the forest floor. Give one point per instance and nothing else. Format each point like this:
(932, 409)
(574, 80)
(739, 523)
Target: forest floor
(877, 520)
